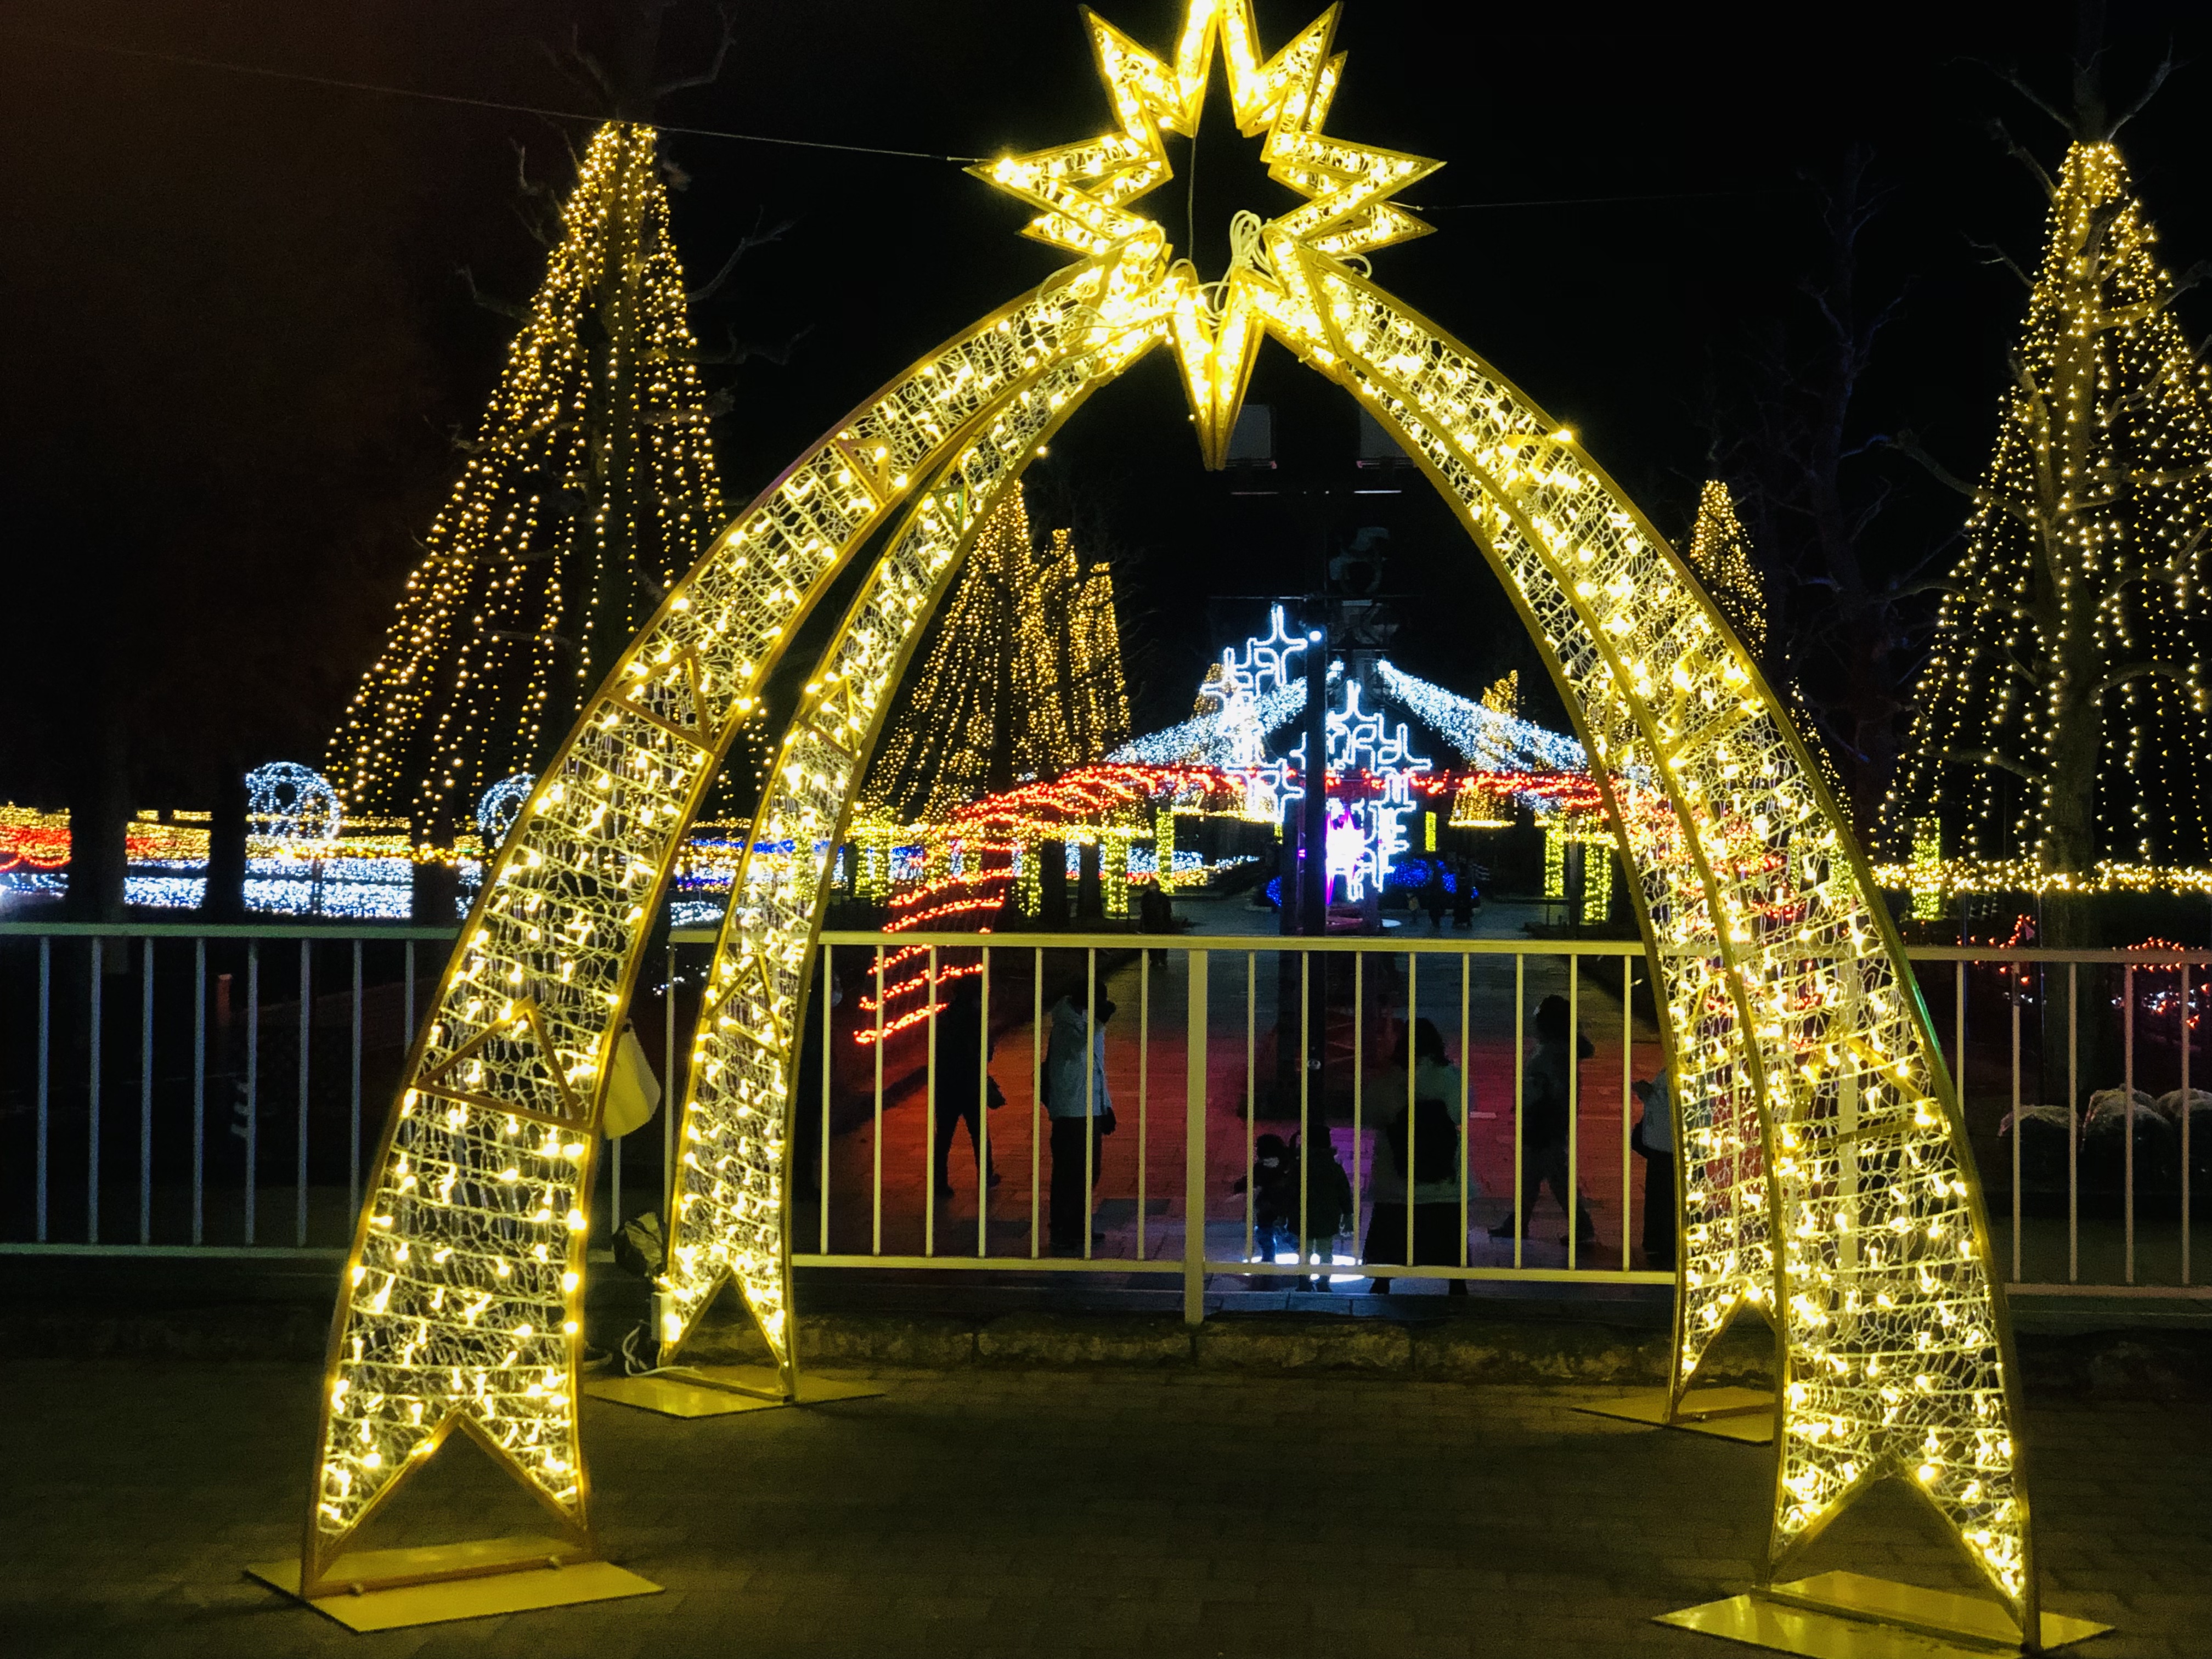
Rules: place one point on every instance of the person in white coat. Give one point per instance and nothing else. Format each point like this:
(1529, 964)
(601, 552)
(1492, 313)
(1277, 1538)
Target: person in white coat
(1076, 1091)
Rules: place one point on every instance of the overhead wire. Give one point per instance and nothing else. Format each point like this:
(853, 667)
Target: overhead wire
(1596, 201)
(303, 78)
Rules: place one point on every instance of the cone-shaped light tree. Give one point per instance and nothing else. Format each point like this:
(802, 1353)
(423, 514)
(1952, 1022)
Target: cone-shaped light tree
(2061, 732)
(1024, 679)
(1720, 554)
(591, 486)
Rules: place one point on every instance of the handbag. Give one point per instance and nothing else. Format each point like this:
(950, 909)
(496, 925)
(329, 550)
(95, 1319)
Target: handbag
(1106, 1121)
(633, 1091)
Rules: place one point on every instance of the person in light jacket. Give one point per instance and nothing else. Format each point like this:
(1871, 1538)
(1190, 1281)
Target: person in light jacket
(1653, 1139)
(1075, 1092)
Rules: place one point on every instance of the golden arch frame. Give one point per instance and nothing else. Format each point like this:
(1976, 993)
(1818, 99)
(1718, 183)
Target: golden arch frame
(1828, 1180)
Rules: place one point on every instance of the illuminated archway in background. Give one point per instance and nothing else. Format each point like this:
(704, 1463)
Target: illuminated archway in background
(1825, 1142)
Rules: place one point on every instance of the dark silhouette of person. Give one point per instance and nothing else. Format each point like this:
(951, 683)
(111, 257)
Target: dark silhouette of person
(1426, 1130)
(964, 1079)
(1545, 1104)
(1464, 897)
(1434, 898)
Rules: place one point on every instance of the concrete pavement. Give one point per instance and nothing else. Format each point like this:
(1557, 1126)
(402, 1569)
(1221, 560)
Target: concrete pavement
(1111, 1511)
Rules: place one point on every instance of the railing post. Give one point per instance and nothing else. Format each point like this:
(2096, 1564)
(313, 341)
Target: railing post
(1194, 1147)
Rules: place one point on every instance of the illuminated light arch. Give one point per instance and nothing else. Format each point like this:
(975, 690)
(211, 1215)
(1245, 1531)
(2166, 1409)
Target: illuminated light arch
(1798, 1046)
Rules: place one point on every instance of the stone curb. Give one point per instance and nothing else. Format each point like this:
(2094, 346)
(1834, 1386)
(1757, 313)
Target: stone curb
(1473, 1348)
(1467, 1350)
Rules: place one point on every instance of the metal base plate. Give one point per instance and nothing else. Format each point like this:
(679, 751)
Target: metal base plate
(486, 1592)
(1745, 1414)
(721, 1390)
(1847, 1615)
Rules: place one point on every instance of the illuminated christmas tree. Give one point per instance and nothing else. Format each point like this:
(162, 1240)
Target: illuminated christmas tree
(1720, 557)
(1088, 666)
(590, 487)
(1024, 680)
(2061, 732)
(1481, 806)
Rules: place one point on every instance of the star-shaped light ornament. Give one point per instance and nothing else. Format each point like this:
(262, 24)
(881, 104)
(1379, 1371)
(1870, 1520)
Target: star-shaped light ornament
(1083, 191)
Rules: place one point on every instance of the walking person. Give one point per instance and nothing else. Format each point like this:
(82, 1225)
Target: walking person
(1424, 1131)
(1076, 1095)
(1547, 1098)
(1434, 896)
(964, 1061)
(1653, 1139)
(1464, 897)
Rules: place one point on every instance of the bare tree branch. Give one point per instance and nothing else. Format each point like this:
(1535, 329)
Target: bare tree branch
(490, 302)
(1994, 255)
(2166, 67)
(1906, 444)
(583, 71)
(735, 351)
(752, 239)
(726, 13)
(2011, 76)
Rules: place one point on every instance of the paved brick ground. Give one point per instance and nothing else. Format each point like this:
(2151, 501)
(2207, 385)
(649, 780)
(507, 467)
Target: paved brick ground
(992, 1512)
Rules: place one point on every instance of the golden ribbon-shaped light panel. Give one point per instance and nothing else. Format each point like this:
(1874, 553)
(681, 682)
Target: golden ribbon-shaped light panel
(1829, 1179)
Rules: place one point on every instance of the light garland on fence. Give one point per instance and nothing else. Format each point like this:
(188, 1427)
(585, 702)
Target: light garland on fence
(590, 489)
(2063, 712)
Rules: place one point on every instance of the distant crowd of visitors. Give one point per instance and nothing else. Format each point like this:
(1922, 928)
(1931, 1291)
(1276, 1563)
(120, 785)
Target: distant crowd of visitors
(1421, 1176)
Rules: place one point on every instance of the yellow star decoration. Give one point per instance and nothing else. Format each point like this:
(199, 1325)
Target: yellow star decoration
(1084, 190)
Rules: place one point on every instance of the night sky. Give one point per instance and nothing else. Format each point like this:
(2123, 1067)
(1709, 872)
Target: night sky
(238, 349)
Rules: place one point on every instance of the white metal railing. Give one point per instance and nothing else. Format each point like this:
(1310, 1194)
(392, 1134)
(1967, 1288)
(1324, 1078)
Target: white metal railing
(2111, 1036)
(193, 1088)
(1212, 1019)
